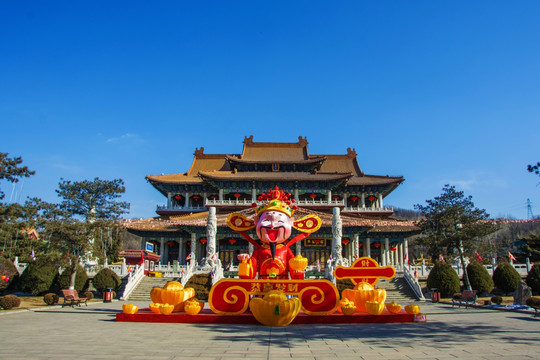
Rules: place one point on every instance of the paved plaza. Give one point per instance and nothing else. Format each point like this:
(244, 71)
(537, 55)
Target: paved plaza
(92, 333)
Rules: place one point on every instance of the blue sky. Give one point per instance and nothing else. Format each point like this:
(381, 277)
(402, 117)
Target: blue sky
(439, 92)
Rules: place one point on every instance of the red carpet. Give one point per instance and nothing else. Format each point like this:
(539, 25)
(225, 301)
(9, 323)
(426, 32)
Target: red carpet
(208, 317)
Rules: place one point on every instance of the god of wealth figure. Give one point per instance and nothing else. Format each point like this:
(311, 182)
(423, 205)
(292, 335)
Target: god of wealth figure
(273, 223)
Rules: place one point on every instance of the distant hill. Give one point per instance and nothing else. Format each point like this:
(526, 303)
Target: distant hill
(406, 214)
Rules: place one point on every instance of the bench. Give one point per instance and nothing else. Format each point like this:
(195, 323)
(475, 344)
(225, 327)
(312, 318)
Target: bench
(468, 298)
(71, 298)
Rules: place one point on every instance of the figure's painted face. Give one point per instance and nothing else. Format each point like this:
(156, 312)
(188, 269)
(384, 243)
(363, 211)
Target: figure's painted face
(273, 227)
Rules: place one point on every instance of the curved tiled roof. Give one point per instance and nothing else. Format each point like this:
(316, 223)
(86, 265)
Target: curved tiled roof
(174, 223)
(283, 176)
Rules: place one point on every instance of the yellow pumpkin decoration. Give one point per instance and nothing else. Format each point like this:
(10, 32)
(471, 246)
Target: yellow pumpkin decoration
(166, 309)
(155, 295)
(347, 307)
(412, 309)
(155, 307)
(179, 307)
(393, 307)
(275, 309)
(174, 285)
(379, 295)
(363, 286)
(374, 307)
(363, 296)
(298, 263)
(129, 309)
(193, 306)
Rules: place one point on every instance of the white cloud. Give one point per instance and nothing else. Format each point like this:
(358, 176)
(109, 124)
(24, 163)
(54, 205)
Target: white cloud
(471, 180)
(125, 138)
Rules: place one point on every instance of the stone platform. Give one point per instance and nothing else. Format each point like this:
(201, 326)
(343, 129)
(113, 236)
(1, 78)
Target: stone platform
(206, 316)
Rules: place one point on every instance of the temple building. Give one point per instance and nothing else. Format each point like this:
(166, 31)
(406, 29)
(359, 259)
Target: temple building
(330, 186)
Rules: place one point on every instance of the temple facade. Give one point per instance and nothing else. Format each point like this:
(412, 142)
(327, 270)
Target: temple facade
(351, 204)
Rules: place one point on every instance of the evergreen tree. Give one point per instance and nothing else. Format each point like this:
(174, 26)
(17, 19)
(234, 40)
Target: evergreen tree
(452, 222)
(88, 221)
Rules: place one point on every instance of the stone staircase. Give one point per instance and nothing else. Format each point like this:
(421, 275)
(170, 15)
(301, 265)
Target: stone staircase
(397, 290)
(142, 292)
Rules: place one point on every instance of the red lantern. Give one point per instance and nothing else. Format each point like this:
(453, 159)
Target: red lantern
(213, 197)
(345, 241)
(377, 245)
(237, 195)
(336, 198)
(178, 197)
(196, 197)
(203, 241)
(371, 198)
(232, 241)
(393, 248)
(313, 196)
(360, 245)
(188, 243)
(170, 243)
(354, 198)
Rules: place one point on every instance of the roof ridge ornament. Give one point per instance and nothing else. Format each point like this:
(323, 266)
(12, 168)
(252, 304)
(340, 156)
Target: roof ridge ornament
(199, 153)
(248, 140)
(351, 152)
(302, 141)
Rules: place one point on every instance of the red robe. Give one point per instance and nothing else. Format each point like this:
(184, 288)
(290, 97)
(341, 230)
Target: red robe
(262, 262)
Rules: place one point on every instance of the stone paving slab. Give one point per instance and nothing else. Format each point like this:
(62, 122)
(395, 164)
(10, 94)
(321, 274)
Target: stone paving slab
(92, 333)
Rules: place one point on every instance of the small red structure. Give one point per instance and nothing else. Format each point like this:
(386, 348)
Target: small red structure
(140, 257)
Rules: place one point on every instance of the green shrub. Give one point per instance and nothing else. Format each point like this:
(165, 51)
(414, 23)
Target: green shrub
(533, 278)
(106, 278)
(497, 300)
(506, 277)
(10, 273)
(39, 276)
(10, 302)
(81, 279)
(533, 302)
(479, 278)
(202, 284)
(51, 299)
(89, 295)
(443, 278)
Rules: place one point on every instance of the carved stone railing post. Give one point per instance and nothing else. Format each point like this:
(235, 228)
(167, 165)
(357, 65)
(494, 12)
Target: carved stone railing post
(193, 259)
(336, 237)
(211, 231)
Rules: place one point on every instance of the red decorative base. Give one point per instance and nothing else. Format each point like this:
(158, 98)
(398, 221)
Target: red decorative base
(208, 317)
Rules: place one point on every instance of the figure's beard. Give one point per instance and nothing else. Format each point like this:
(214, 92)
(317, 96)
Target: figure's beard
(273, 250)
(273, 236)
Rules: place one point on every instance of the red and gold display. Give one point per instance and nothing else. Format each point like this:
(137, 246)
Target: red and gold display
(232, 296)
(273, 223)
(365, 269)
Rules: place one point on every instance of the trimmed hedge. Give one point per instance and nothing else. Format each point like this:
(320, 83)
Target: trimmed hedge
(106, 278)
(10, 302)
(533, 278)
(81, 279)
(51, 299)
(444, 278)
(506, 278)
(343, 284)
(10, 273)
(202, 284)
(479, 278)
(39, 276)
